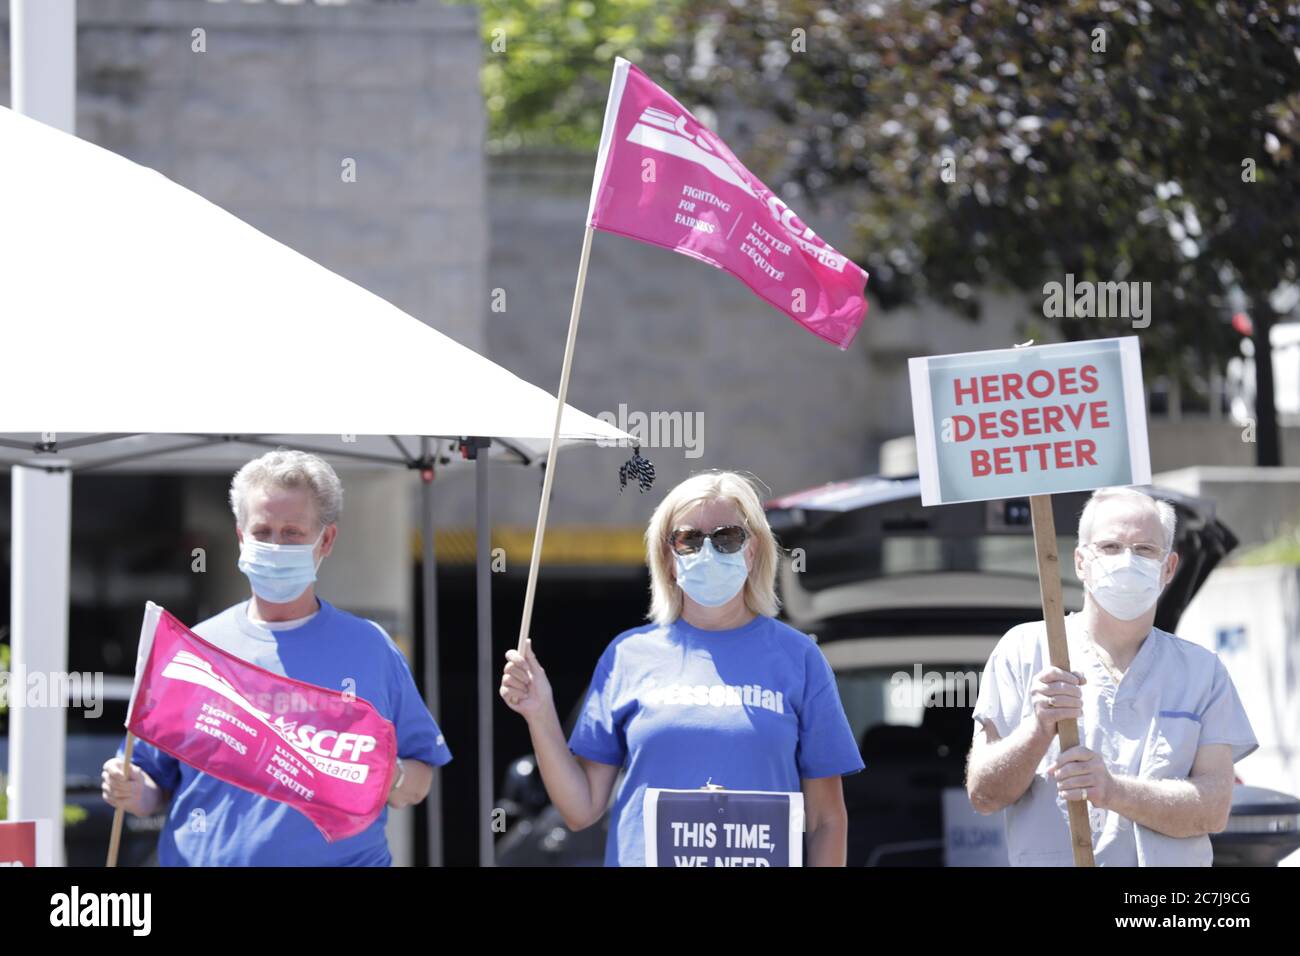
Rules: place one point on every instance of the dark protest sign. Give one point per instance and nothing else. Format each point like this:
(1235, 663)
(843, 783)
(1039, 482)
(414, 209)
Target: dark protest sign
(723, 828)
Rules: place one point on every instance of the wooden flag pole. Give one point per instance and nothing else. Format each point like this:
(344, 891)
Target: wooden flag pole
(115, 840)
(1049, 583)
(549, 480)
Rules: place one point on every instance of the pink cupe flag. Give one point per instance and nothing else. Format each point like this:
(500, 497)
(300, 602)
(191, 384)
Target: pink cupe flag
(663, 178)
(325, 753)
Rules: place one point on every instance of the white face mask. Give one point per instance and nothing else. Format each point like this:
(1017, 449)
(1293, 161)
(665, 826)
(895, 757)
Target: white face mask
(1125, 585)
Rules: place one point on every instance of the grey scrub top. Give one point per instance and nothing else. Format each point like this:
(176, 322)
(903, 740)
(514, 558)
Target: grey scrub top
(1175, 696)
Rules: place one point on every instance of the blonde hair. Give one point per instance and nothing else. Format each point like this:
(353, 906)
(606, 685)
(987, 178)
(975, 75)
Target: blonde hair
(760, 585)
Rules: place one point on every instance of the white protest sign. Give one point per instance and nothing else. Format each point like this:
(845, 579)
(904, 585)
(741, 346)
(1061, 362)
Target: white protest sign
(971, 838)
(1010, 423)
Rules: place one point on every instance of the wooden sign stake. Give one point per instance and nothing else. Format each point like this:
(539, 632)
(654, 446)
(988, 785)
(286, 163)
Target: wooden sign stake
(1049, 583)
(114, 841)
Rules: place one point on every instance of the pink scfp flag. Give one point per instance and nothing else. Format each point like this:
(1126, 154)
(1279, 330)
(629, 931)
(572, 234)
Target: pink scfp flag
(324, 753)
(663, 178)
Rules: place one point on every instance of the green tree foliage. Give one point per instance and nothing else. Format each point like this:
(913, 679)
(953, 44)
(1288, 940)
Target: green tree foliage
(547, 64)
(1126, 163)
(1149, 141)
(1284, 549)
(1113, 141)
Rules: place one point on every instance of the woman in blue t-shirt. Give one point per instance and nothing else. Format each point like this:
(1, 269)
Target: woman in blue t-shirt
(714, 690)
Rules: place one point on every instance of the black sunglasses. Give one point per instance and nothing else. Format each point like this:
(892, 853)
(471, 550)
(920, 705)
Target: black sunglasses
(726, 540)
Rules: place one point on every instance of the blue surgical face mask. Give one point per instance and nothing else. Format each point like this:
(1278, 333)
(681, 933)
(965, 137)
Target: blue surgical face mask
(710, 578)
(279, 573)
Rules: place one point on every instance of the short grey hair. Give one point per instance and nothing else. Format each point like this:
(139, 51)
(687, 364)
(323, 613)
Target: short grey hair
(1164, 511)
(286, 468)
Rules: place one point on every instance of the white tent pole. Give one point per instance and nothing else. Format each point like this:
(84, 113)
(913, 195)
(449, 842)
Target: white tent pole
(38, 621)
(486, 686)
(43, 70)
(429, 581)
(43, 77)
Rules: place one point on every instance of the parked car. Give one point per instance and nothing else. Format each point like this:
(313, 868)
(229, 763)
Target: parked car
(907, 603)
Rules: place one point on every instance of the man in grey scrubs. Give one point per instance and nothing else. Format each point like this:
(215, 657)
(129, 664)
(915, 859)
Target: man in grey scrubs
(1160, 721)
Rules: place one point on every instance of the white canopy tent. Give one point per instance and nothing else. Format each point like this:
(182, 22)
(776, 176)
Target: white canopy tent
(137, 319)
(134, 305)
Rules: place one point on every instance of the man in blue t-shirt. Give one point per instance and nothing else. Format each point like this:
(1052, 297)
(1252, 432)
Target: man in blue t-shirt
(286, 505)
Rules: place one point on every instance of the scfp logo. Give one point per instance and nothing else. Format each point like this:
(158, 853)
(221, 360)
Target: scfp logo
(327, 743)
